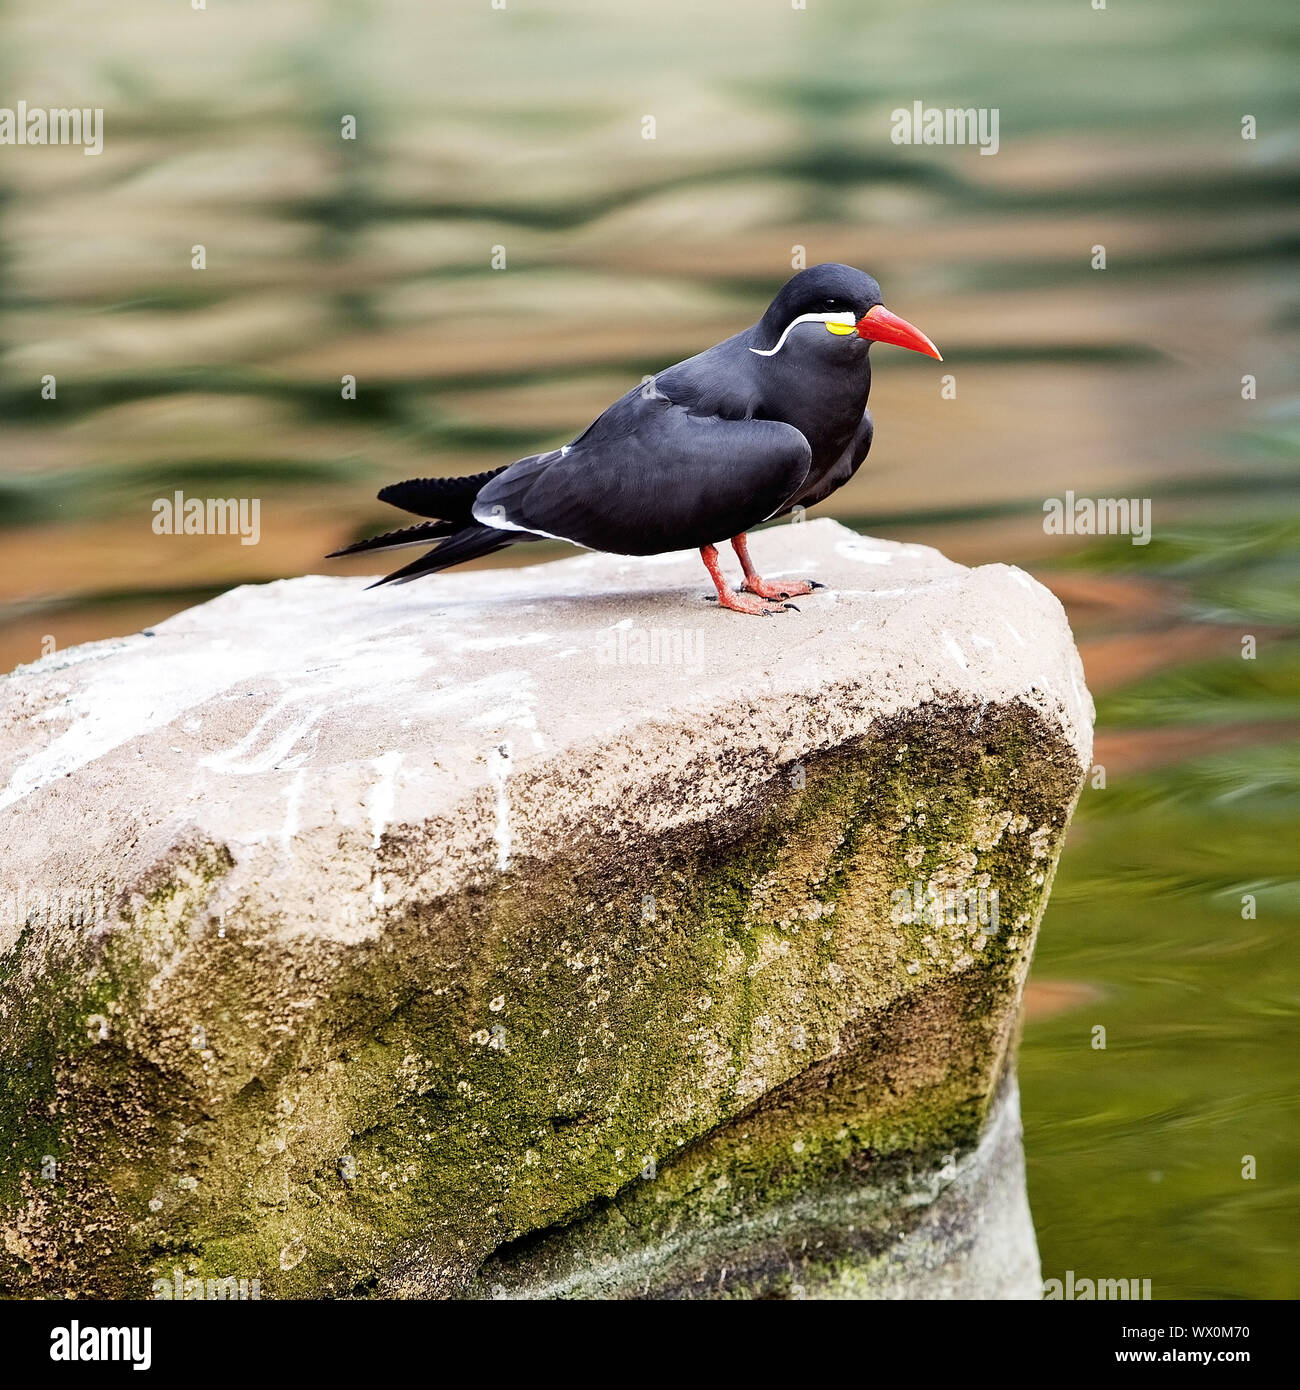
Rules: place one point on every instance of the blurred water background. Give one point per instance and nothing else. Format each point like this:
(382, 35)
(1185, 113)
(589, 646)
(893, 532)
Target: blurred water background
(522, 128)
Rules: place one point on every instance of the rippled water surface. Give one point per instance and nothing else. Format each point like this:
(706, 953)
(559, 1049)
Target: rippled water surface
(522, 129)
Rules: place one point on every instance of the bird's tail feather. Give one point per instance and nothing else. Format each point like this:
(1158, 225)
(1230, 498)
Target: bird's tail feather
(423, 534)
(443, 499)
(448, 502)
(466, 544)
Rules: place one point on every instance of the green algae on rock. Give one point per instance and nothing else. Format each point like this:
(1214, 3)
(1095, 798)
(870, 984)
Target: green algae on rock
(451, 949)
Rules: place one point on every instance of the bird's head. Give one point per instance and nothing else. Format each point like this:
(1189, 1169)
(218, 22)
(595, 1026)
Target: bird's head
(829, 302)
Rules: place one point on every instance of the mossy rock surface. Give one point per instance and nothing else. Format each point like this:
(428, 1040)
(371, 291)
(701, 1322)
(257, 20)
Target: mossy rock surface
(440, 945)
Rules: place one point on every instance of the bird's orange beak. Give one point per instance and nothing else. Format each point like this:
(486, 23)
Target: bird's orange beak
(883, 327)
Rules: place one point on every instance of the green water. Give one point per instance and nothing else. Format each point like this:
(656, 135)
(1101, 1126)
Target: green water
(1137, 1153)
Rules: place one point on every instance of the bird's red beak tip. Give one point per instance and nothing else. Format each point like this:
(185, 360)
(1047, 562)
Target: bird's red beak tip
(880, 326)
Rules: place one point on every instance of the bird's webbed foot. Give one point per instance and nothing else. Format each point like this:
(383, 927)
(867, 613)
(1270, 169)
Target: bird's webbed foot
(749, 603)
(779, 588)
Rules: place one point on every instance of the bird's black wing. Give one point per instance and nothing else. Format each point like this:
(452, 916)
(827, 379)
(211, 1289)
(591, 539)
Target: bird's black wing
(651, 476)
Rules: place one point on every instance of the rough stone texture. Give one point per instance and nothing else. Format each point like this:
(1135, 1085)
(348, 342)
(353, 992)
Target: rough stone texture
(534, 932)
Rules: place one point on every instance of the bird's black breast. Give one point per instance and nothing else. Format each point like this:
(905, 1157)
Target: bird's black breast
(826, 407)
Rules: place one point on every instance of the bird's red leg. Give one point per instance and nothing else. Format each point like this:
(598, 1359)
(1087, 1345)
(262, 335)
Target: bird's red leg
(755, 584)
(727, 596)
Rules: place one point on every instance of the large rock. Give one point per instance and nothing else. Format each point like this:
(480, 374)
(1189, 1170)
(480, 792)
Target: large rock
(542, 931)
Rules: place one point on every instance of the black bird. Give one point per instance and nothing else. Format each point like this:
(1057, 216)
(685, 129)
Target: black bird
(769, 420)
